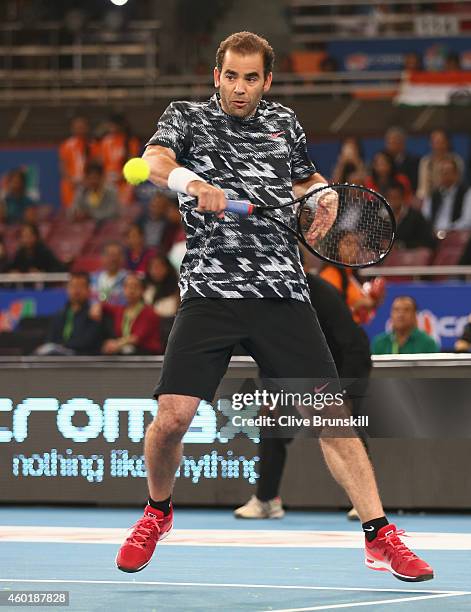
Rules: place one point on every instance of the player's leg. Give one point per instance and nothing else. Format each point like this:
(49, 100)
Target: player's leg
(198, 353)
(163, 442)
(297, 349)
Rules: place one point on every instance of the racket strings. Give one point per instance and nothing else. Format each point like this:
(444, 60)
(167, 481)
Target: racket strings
(362, 231)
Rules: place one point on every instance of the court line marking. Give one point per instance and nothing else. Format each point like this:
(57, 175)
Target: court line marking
(224, 537)
(233, 585)
(368, 603)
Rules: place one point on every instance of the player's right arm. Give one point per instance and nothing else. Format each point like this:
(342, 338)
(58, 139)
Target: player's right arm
(162, 162)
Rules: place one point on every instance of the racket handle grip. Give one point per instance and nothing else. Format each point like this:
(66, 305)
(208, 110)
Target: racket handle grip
(240, 207)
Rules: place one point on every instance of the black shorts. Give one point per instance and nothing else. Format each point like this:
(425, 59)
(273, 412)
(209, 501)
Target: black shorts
(283, 336)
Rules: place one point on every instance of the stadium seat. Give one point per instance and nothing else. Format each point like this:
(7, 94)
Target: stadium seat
(451, 248)
(87, 263)
(409, 257)
(114, 229)
(68, 239)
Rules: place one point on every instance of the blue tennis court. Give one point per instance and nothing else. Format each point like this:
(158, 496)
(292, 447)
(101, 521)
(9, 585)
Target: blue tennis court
(307, 561)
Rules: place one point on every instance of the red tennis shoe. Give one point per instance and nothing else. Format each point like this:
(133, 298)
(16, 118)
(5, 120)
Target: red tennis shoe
(138, 548)
(388, 553)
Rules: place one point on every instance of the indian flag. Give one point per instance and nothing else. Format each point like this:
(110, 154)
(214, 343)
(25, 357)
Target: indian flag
(434, 88)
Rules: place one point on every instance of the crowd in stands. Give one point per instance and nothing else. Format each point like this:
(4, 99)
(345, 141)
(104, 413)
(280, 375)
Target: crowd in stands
(124, 249)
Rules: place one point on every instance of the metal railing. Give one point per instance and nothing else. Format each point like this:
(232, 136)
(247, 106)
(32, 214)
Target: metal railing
(142, 85)
(92, 57)
(358, 19)
(419, 271)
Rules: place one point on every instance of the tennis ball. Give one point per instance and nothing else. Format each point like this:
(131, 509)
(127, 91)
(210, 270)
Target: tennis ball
(136, 170)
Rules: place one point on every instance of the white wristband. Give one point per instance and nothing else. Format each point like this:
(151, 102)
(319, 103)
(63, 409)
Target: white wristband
(320, 194)
(179, 178)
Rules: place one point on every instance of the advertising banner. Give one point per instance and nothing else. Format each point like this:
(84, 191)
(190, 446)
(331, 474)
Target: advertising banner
(443, 309)
(381, 54)
(41, 165)
(18, 304)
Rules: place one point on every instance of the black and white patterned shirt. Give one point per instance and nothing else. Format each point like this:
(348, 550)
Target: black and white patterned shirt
(254, 159)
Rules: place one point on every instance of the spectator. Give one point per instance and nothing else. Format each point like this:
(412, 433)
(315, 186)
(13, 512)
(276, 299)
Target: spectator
(404, 337)
(95, 200)
(361, 302)
(328, 64)
(32, 254)
(413, 230)
(449, 206)
(4, 263)
(465, 259)
(75, 153)
(116, 147)
(137, 254)
(136, 326)
(161, 286)
(413, 61)
(428, 166)
(463, 344)
(384, 173)
(452, 62)
(350, 161)
(72, 330)
(108, 285)
(395, 142)
(155, 221)
(15, 201)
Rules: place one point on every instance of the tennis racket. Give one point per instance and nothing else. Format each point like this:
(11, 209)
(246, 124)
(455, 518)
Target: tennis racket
(358, 223)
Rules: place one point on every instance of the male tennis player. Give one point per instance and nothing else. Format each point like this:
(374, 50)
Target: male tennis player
(242, 282)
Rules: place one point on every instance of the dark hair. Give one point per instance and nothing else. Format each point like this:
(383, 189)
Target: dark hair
(138, 276)
(169, 285)
(391, 162)
(407, 297)
(20, 173)
(246, 43)
(34, 228)
(397, 185)
(136, 226)
(80, 274)
(94, 168)
(444, 133)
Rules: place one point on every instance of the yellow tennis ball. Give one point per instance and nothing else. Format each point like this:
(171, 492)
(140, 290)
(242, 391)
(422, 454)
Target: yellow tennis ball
(136, 170)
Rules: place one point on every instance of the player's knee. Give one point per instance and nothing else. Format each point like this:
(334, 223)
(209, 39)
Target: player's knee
(168, 428)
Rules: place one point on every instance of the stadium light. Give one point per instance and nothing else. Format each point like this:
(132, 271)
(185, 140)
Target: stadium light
(119, 2)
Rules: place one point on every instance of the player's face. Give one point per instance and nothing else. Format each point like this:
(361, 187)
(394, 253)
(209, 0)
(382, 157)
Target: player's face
(241, 83)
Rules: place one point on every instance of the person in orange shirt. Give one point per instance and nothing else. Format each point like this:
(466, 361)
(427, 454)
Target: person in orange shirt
(116, 147)
(361, 298)
(74, 154)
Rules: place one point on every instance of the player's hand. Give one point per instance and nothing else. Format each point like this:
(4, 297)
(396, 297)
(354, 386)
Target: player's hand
(210, 199)
(324, 217)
